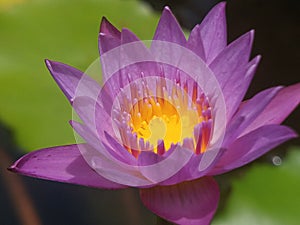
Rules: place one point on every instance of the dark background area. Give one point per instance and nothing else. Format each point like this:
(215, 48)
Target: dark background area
(277, 38)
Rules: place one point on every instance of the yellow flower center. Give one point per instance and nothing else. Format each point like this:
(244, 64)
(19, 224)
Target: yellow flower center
(155, 119)
(175, 114)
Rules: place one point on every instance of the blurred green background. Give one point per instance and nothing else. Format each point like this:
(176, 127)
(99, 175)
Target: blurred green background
(34, 113)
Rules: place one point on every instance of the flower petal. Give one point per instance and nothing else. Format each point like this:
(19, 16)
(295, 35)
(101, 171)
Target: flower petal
(109, 36)
(93, 116)
(104, 146)
(198, 166)
(72, 81)
(168, 29)
(240, 87)
(251, 146)
(279, 108)
(154, 167)
(109, 163)
(63, 164)
(213, 32)
(247, 113)
(230, 69)
(128, 36)
(187, 203)
(195, 42)
(107, 28)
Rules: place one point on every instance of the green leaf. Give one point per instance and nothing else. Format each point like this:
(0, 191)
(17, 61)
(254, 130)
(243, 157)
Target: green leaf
(266, 195)
(67, 31)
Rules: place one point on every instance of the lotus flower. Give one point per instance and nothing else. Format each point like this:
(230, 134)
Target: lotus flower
(167, 118)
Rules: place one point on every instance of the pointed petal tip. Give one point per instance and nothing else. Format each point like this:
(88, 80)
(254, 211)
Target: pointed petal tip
(254, 62)
(15, 167)
(107, 28)
(218, 9)
(167, 11)
(220, 6)
(293, 133)
(61, 164)
(168, 28)
(257, 58)
(104, 20)
(246, 38)
(167, 8)
(48, 63)
(52, 66)
(104, 23)
(213, 30)
(12, 168)
(252, 66)
(252, 34)
(249, 36)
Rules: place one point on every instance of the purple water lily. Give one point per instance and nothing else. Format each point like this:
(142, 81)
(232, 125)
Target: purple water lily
(167, 118)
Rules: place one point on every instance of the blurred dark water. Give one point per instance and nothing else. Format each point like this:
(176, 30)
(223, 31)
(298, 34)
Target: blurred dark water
(277, 38)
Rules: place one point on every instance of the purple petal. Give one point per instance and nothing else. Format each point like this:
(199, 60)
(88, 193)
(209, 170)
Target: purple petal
(247, 113)
(195, 42)
(98, 128)
(187, 203)
(137, 56)
(109, 37)
(120, 150)
(63, 164)
(128, 36)
(230, 68)
(108, 162)
(93, 115)
(107, 28)
(72, 81)
(236, 54)
(213, 32)
(85, 108)
(279, 108)
(154, 168)
(168, 29)
(198, 166)
(104, 146)
(167, 37)
(251, 146)
(240, 87)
